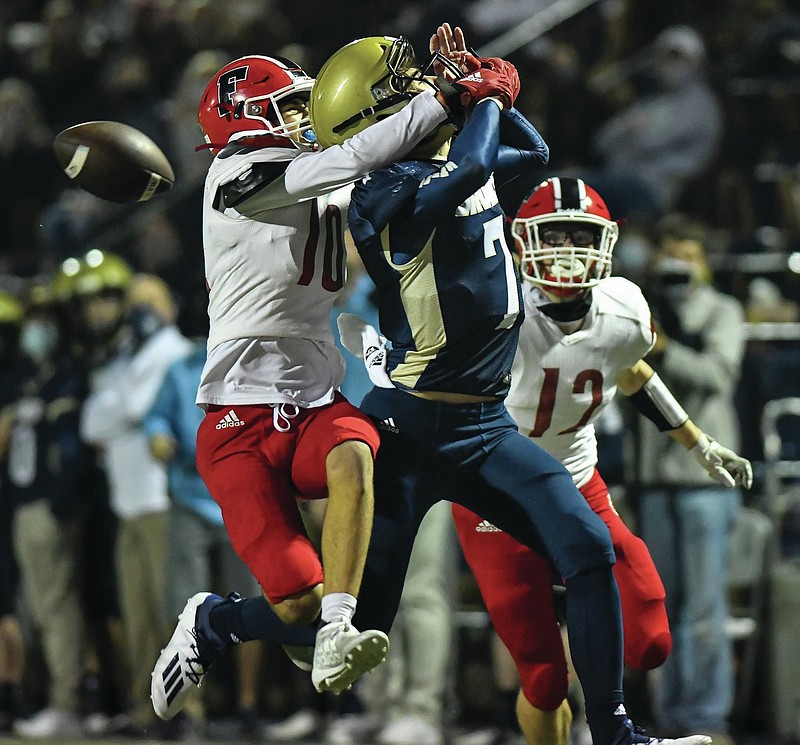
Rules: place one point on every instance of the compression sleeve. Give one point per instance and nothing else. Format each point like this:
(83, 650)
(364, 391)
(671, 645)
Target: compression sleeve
(522, 150)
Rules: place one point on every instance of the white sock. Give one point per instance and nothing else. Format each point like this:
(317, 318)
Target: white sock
(338, 606)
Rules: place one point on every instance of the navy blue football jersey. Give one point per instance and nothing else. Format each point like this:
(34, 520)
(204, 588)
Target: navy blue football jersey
(432, 237)
(449, 295)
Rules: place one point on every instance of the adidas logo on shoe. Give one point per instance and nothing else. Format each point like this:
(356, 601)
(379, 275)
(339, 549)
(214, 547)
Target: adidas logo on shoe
(388, 425)
(484, 526)
(230, 420)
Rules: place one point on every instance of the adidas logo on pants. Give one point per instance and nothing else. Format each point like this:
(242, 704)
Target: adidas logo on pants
(230, 420)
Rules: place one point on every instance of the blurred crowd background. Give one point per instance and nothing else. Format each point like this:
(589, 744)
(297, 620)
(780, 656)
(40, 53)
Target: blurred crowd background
(682, 108)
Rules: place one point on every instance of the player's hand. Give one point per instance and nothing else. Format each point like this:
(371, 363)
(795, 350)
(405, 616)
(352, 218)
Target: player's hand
(448, 43)
(488, 77)
(722, 464)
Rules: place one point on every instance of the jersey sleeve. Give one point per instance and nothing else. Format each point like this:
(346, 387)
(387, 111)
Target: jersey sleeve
(310, 175)
(380, 197)
(625, 300)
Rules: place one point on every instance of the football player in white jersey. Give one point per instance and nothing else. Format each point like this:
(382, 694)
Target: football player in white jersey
(276, 425)
(584, 336)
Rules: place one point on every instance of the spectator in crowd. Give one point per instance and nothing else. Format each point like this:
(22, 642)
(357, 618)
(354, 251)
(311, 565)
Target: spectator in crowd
(62, 62)
(190, 166)
(45, 460)
(13, 370)
(686, 520)
(12, 646)
(128, 89)
(652, 148)
(199, 552)
(95, 302)
(122, 391)
(89, 293)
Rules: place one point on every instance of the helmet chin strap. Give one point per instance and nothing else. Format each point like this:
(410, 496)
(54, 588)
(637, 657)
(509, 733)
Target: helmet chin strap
(571, 310)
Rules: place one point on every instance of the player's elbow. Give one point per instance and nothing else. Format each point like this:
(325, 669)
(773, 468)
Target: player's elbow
(473, 172)
(543, 153)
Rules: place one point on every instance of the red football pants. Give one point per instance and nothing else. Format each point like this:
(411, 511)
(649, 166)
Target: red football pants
(516, 585)
(255, 473)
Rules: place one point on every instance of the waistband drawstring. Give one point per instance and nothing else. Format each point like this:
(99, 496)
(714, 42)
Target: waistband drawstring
(282, 414)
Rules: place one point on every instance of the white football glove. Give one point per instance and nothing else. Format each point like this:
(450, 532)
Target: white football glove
(364, 341)
(722, 464)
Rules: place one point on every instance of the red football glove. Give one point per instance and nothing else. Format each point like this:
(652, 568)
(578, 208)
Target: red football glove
(488, 77)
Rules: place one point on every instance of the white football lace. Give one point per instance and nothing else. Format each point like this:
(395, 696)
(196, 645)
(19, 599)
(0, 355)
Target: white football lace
(196, 668)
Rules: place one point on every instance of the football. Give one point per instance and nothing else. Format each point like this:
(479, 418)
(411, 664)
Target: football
(113, 161)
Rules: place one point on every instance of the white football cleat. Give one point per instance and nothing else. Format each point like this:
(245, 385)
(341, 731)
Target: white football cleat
(343, 654)
(183, 663)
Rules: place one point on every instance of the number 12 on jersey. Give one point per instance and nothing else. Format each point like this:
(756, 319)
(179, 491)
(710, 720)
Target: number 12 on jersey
(547, 399)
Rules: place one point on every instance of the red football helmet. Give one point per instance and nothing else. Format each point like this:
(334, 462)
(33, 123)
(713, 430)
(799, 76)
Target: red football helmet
(563, 211)
(242, 100)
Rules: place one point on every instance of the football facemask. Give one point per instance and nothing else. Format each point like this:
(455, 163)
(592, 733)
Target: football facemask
(565, 237)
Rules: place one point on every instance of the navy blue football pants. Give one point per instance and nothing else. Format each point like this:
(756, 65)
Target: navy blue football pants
(474, 455)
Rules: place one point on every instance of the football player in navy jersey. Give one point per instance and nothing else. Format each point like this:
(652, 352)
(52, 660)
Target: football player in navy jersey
(430, 232)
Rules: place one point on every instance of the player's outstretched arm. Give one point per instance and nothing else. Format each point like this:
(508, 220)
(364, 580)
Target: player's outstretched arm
(522, 148)
(647, 392)
(471, 162)
(384, 142)
(271, 185)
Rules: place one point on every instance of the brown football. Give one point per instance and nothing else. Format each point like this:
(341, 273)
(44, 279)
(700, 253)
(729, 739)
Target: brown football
(113, 161)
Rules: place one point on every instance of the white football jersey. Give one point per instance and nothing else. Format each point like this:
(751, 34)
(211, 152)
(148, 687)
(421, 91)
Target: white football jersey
(276, 263)
(561, 382)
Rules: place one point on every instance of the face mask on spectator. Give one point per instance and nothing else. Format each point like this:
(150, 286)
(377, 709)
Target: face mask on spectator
(39, 339)
(144, 322)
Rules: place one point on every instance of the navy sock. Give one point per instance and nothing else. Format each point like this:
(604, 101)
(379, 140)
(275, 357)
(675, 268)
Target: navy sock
(594, 620)
(253, 618)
